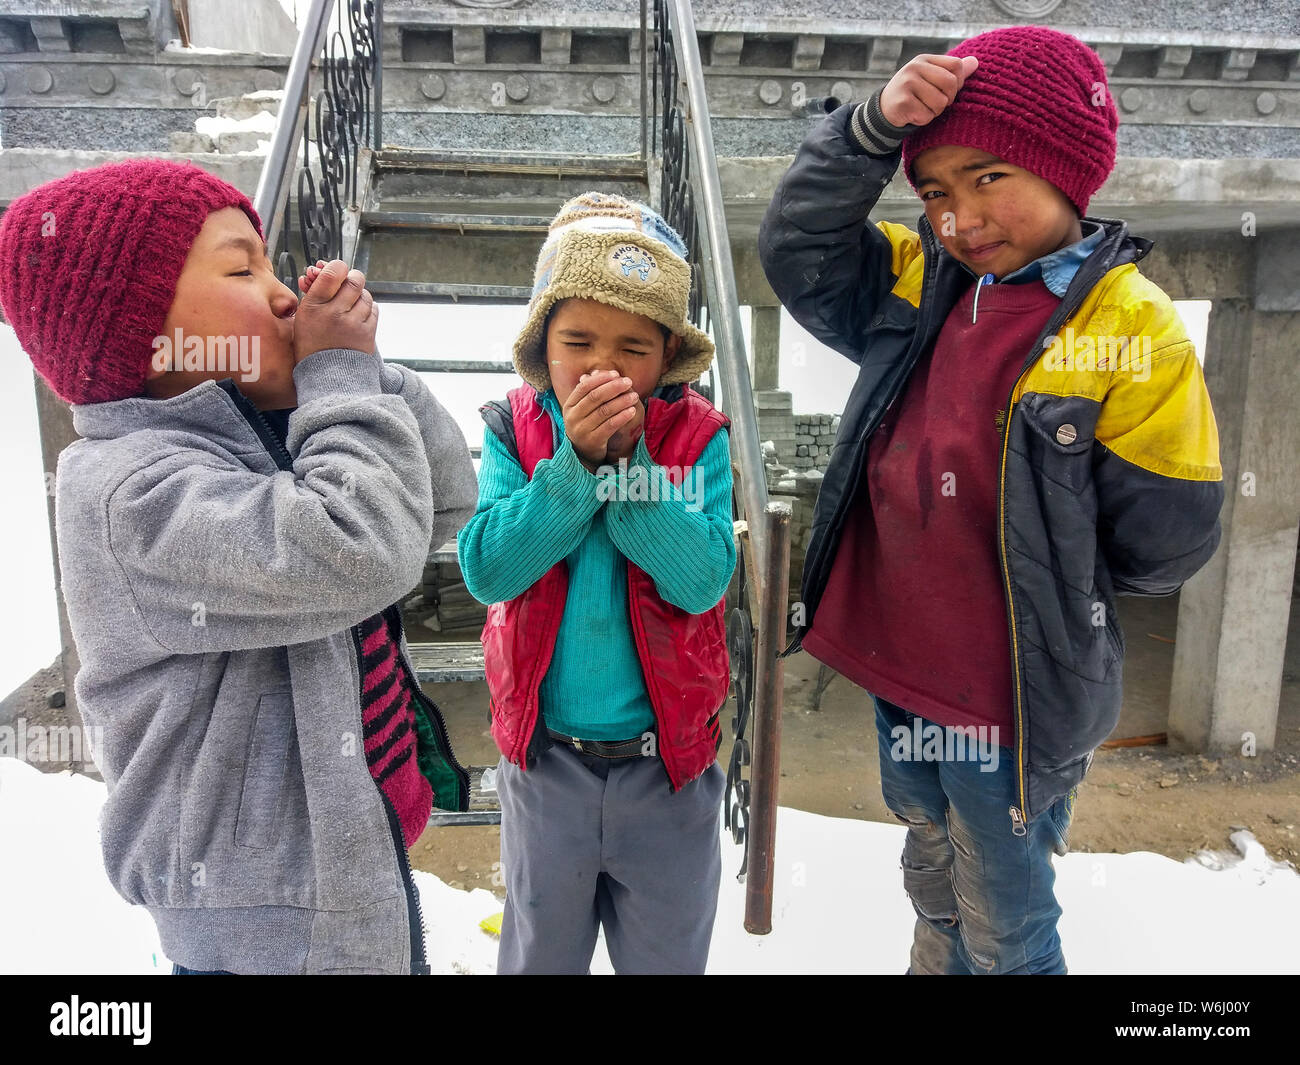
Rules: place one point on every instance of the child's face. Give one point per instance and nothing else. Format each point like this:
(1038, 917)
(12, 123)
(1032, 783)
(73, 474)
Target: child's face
(227, 289)
(585, 336)
(988, 214)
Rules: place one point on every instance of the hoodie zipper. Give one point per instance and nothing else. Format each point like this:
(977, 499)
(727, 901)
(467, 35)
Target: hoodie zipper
(258, 423)
(415, 917)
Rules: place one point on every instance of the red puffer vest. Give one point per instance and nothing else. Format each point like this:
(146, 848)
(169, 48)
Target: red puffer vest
(683, 656)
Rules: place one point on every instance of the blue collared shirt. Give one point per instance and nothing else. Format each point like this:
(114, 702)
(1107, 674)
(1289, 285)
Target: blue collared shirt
(1057, 268)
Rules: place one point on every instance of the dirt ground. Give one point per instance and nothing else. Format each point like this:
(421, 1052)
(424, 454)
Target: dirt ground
(1148, 798)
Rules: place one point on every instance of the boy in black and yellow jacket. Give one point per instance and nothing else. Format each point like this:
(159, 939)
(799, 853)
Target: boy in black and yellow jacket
(1029, 436)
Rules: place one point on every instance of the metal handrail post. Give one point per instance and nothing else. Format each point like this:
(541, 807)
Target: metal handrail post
(717, 253)
(272, 188)
(645, 120)
(765, 770)
(379, 75)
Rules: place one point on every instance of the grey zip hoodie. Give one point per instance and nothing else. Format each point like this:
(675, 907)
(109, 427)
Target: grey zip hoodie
(211, 595)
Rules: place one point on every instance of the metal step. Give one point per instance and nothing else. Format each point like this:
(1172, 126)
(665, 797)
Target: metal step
(456, 366)
(484, 804)
(459, 222)
(438, 663)
(598, 167)
(446, 553)
(439, 292)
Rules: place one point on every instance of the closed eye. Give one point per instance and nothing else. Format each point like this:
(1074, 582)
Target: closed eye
(241, 273)
(993, 175)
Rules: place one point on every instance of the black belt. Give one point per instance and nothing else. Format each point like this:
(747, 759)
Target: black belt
(633, 748)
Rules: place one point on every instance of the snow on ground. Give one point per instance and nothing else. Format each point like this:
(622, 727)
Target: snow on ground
(215, 125)
(838, 907)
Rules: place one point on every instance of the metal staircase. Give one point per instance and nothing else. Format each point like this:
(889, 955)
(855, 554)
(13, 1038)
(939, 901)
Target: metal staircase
(477, 219)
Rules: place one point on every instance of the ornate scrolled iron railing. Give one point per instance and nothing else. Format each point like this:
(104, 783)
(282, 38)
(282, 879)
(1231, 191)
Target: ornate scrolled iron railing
(328, 179)
(669, 143)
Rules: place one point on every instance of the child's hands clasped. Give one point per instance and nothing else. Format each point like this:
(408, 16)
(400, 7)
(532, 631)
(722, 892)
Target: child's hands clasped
(623, 442)
(923, 87)
(336, 311)
(603, 418)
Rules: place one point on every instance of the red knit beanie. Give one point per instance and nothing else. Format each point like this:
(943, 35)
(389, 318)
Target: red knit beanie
(1039, 99)
(89, 264)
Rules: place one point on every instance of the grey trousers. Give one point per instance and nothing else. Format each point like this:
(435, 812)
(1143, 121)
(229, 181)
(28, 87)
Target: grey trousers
(589, 841)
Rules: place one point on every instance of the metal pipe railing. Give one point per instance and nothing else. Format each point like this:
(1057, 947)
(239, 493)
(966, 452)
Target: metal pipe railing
(378, 126)
(273, 185)
(757, 673)
(724, 307)
(645, 118)
(765, 771)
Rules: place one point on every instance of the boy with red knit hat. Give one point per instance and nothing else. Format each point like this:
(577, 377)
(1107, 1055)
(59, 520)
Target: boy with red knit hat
(253, 489)
(1028, 437)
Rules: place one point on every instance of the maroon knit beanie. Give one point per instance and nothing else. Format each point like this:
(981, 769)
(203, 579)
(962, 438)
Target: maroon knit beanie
(1039, 99)
(89, 264)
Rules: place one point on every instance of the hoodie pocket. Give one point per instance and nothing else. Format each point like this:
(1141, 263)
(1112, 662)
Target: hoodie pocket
(258, 824)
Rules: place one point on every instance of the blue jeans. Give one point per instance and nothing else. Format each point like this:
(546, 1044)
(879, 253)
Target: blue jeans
(982, 894)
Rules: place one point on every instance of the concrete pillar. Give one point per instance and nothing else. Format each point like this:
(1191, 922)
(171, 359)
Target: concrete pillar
(1233, 615)
(766, 342)
(261, 26)
(54, 421)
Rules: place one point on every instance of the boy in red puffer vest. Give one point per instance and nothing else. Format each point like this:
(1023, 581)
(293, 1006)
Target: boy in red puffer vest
(603, 544)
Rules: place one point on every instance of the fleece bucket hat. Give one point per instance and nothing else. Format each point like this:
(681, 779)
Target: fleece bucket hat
(613, 250)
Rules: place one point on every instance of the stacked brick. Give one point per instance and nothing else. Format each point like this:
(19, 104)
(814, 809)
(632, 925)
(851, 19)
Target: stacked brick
(776, 422)
(814, 435)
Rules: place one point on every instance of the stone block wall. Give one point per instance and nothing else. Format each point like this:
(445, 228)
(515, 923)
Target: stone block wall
(814, 435)
(796, 449)
(801, 498)
(776, 422)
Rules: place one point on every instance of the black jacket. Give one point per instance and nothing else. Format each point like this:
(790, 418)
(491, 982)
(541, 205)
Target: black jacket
(1110, 478)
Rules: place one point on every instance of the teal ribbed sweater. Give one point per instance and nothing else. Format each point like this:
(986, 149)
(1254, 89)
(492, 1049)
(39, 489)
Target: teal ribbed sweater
(681, 536)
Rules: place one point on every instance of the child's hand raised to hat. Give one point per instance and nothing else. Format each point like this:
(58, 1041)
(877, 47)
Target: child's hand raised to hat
(336, 311)
(601, 404)
(918, 93)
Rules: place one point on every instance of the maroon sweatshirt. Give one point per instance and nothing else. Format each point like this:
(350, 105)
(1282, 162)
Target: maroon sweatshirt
(914, 610)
